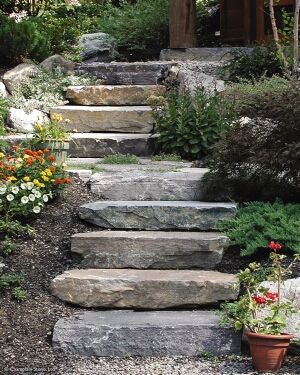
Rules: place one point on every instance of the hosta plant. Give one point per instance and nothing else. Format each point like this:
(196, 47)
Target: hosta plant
(260, 309)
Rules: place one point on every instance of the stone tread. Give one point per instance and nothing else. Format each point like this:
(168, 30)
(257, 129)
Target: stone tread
(143, 289)
(157, 215)
(147, 249)
(125, 119)
(149, 184)
(158, 333)
(117, 95)
(99, 145)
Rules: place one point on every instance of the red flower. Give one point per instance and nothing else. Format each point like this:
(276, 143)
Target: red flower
(271, 296)
(260, 300)
(273, 245)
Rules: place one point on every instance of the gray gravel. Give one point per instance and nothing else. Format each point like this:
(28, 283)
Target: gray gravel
(170, 366)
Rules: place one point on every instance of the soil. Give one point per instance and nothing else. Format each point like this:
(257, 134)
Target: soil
(26, 327)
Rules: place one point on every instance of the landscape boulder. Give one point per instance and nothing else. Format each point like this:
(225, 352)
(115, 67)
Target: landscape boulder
(3, 91)
(23, 122)
(14, 77)
(57, 61)
(97, 47)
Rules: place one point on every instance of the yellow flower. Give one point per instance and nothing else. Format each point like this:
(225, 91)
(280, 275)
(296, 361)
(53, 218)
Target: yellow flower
(26, 179)
(38, 127)
(45, 178)
(56, 117)
(42, 185)
(12, 178)
(36, 182)
(49, 174)
(1, 155)
(26, 156)
(18, 165)
(43, 173)
(20, 160)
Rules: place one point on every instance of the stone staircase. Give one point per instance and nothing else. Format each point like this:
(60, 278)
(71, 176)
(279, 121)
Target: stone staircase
(156, 246)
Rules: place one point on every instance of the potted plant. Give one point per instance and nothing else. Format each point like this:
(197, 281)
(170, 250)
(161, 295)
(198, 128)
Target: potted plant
(262, 312)
(54, 136)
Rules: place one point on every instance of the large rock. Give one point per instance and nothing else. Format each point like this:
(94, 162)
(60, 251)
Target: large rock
(143, 289)
(97, 47)
(142, 250)
(144, 334)
(3, 91)
(99, 145)
(149, 185)
(57, 61)
(157, 215)
(106, 119)
(23, 122)
(112, 95)
(138, 73)
(13, 78)
(290, 291)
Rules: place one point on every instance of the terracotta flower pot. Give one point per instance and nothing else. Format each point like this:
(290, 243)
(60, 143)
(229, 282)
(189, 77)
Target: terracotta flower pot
(268, 351)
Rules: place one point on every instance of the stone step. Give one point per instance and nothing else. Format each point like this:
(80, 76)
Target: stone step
(149, 184)
(113, 95)
(99, 145)
(144, 334)
(135, 119)
(149, 250)
(157, 215)
(120, 73)
(143, 289)
(204, 54)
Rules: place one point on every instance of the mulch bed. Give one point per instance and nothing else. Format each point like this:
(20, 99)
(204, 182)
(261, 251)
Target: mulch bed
(26, 328)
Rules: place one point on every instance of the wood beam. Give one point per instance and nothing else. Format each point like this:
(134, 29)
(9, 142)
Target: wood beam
(182, 23)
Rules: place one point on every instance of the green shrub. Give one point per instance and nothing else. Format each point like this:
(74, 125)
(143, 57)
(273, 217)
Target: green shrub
(141, 29)
(188, 125)
(277, 98)
(19, 40)
(258, 223)
(261, 61)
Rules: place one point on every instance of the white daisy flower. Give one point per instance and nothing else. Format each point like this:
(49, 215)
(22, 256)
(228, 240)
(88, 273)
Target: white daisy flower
(31, 197)
(29, 185)
(45, 198)
(24, 200)
(36, 209)
(10, 197)
(15, 189)
(23, 186)
(2, 189)
(37, 194)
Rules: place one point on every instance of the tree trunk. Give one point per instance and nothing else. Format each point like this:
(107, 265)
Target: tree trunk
(296, 37)
(275, 33)
(182, 23)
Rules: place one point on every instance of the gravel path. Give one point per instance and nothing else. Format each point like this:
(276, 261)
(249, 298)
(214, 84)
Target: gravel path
(172, 366)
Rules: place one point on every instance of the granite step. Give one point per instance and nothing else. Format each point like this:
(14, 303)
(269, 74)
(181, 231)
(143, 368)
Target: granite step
(155, 183)
(143, 289)
(145, 334)
(149, 249)
(122, 73)
(126, 119)
(125, 95)
(157, 215)
(99, 145)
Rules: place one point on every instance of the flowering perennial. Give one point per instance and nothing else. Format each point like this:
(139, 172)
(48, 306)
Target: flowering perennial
(28, 179)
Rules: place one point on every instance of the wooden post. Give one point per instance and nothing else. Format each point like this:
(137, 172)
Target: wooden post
(182, 23)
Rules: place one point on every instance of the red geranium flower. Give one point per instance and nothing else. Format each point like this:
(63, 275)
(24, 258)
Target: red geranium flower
(271, 296)
(273, 245)
(260, 300)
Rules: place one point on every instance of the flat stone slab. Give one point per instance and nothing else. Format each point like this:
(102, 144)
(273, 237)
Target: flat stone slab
(135, 119)
(157, 215)
(147, 184)
(199, 54)
(144, 334)
(120, 73)
(145, 250)
(99, 145)
(143, 289)
(113, 95)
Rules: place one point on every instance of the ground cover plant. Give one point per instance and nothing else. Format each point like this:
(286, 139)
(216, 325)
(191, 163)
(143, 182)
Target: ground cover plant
(257, 223)
(189, 124)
